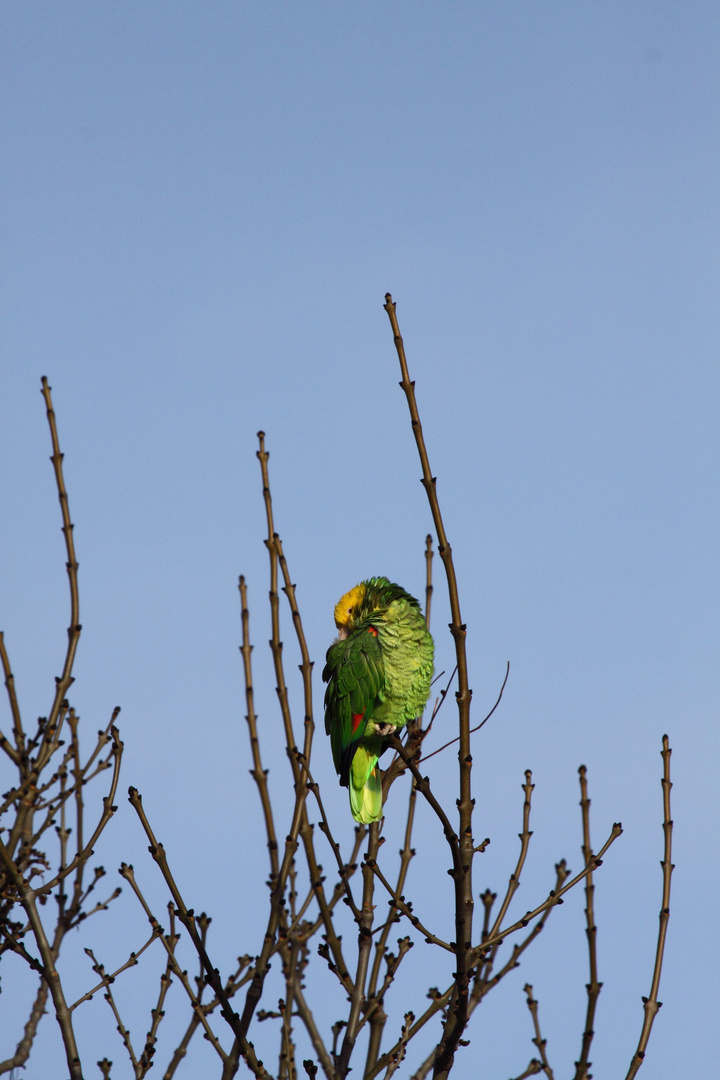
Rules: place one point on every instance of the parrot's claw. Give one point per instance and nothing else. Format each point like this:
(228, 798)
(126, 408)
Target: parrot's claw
(384, 729)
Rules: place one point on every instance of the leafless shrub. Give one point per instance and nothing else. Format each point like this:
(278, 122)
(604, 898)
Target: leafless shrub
(306, 912)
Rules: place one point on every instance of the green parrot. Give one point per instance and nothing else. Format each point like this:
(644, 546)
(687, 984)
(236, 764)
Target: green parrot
(378, 673)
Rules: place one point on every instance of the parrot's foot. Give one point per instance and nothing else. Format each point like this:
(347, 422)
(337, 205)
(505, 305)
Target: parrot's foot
(384, 729)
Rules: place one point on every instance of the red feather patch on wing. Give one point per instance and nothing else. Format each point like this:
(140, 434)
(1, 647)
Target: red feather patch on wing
(356, 718)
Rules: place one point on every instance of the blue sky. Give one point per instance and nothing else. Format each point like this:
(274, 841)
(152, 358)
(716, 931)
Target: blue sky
(203, 206)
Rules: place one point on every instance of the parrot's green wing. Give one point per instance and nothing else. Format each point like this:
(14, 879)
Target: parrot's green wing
(355, 675)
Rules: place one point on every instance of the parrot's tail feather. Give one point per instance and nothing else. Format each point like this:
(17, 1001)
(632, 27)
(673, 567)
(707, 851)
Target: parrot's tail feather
(366, 802)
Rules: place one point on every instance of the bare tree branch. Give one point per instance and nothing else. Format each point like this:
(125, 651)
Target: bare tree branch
(426, 757)
(555, 897)
(187, 918)
(22, 1051)
(258, 773)
(28, 899)
(398, 903)
(65, 680)
(378, 1017)
(14, 753)
(364, 946)
(593, 987)
(462, 866)
(484, 980)
(540, 1043)
(651, 1004)
(428, 577)
(108, 811)
(47, 799)
(533, 1069)
(107, 979)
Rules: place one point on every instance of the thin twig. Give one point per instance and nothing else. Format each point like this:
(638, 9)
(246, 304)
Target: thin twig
(64, 681)
(23, 1048)
(407, 852)
(416, 737)
(540, 1043)
(277, 895)
(108, 811)
(187, 918)
(301, 826)
(124, 1032)
(343, 868)
(555, 897)
(339, 890)
(299, 763)
(107, 979)
(533, 1069)
(398, 903)
(306, 666)
(582, 1066)
(426, 757)
(393, 961)
(276, 644)
(17, 753)
(308, 1020)
(157, 1014)
(484, 981)
(651, 1005)
(428, 577)
(401, 1044)
(258, 773)
(28, 899)
(364, 945)
(200, 1009)
(422, 784)
(524, 835)
(14, 944)
(462, 868)
(439, 1003)
(72, 721)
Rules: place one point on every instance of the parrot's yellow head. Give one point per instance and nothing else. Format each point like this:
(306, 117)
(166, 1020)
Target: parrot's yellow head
(348, 608)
